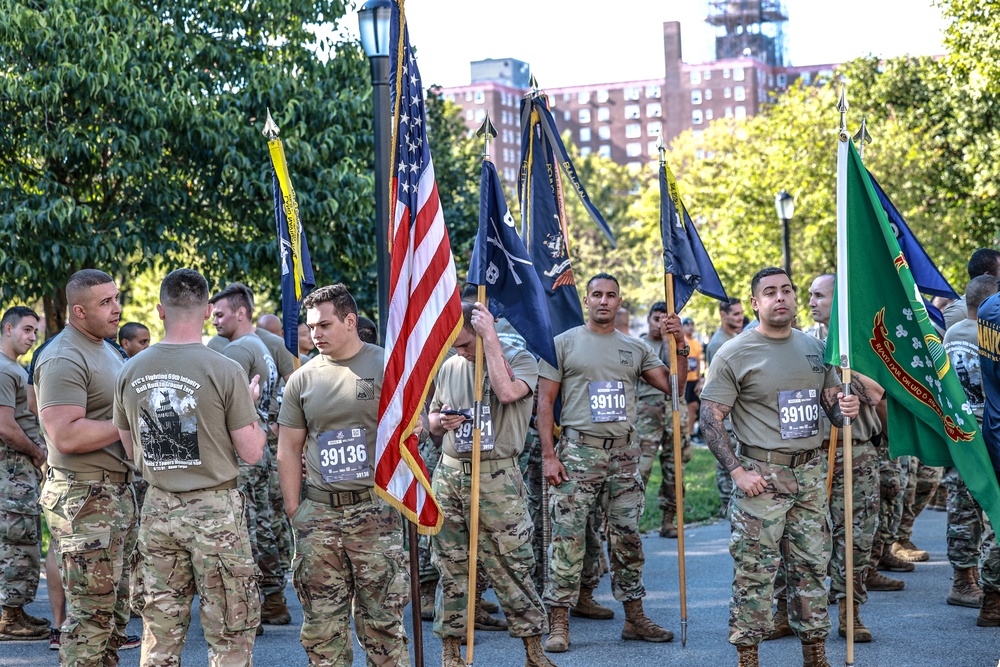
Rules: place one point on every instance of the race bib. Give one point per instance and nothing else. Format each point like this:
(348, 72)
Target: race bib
(607, 402)
(692, 364)
(798, 411)
(463, 434)
(343, 455)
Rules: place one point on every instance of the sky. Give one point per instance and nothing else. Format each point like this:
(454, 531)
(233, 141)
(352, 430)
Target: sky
(569, 42)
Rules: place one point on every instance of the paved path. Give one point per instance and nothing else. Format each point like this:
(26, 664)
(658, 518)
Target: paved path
(912, 628)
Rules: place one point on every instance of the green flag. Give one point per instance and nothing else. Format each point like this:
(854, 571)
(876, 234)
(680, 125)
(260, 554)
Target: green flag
(886, 334)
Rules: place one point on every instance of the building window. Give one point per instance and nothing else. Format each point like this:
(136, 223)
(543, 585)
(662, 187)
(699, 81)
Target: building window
(806, 78)
(707, 74)
(697, 134)
(634, 166)
(738, 74)
(567, 115)
(468, 114)
(739, 93)
(708, 114)
(584, 134)
(729, 112)
(633, 150)
(480, 115)
(725, 73)
(631, 93)
(708, 94)
(633, 131)
(652, 148)
(604, 151)
(770, 81)
(566, 97)
(604, 114)
(782, 80)
(741, 111)
(631, 111)
(654, 110)
(584, 115)
(695, 97)
(584, 151)
(654, 128)
(653, 92)
(480, 98)
(604, 132)
(602, 96)
(583, 97)
(727, 93)
(697, 117)
(695, 77)
(824, 75)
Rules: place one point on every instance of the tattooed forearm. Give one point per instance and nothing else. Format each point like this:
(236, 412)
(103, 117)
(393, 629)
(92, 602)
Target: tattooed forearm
(828, 399)
(716, 437)
(859, 389)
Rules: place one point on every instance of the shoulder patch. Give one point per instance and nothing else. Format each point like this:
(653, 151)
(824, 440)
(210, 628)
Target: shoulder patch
(625, 357)
(366, 389)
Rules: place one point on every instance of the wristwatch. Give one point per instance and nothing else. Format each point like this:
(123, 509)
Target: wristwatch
(684, 351)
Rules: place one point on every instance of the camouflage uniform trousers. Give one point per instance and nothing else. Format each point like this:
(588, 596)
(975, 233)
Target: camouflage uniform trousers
(865, 483)
(20, 529)
(504, 543)
(654, 426)
(136, 588)
(530, 463)
(352, 553)
(989, 559)
(921, 485)
(965, 522)
(254, 482)
(279, 521)
(792, 508)
(595, 472)
(430, 452)
(198, 542)
(890, 499)
(93, 527)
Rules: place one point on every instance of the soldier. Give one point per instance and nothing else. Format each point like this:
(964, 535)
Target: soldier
(730, 325)
(271, 324)
(654, 425)
(921, 484)
(694, 374)
(597, 457)
(965, 518)
(22, 455)
(865, 481)
(185, 412)
(88, 499)
(773, 382)
(232, 316)
(989, 360)
(349, 543)
(505, 527)
(133, 338)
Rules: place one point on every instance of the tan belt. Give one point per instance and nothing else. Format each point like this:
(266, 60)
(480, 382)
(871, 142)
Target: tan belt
(777, 458)
(595, 441)
(102, 476)
(487, 466)
(338, 498)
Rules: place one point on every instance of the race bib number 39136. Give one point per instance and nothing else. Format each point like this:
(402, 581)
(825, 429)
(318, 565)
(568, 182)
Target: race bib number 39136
(607, 402)
(798, 412)
(343, 455)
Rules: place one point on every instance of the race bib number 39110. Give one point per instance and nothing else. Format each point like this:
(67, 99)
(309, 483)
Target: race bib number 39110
(607, 402)
(343, 455)
(798, 412)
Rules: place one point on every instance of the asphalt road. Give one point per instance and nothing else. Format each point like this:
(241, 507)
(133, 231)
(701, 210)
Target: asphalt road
(912, 628)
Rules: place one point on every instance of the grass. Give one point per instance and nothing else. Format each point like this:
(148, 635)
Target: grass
(701, 497)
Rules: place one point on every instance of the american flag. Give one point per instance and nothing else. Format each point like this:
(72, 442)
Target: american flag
(424, 307)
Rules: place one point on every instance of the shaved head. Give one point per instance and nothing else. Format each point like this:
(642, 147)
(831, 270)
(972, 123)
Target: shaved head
(269, 322)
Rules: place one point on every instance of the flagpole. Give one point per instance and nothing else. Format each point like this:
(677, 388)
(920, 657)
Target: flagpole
(668, 289)
(487, 131)
(845, 365)
(831, 459)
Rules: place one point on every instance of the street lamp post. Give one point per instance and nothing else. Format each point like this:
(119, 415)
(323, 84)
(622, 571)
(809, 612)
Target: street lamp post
(784, 204)
(374, 18)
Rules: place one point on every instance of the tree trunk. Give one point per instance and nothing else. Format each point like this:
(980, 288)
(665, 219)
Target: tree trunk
(55, 312)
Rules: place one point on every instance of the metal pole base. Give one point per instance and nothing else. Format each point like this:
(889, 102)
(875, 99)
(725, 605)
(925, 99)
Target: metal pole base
(684, 633)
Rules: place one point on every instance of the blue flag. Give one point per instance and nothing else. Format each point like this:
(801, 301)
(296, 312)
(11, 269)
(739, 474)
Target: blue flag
(501, 263)
(684, 255)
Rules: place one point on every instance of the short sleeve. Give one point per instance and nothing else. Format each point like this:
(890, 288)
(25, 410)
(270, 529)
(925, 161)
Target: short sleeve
(721, 386)
(650, 359)
(65, 386)
(240, 355)
(8, 389)
(525, 368)
(291, 413)
(240, 410)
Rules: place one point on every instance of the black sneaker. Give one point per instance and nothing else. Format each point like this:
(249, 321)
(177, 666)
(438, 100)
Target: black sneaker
(132, 641)
(54, 639)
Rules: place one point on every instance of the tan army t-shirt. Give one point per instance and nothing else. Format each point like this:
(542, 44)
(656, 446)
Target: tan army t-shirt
(598, 374)
(250, 352)
(864, 427)
(284, 362)
(505, 426)
(336, 402)
(180, 402)
(75, 370)
(14, 394)
(773, 386)
(643, 389)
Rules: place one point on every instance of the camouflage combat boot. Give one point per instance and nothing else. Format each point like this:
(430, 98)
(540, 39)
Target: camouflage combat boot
(965, 591)
(14, 627)
(814, 654)
(558, 641)
(274, 610)
(427, 600)
(889, 562)
(989, 613)
(861, 633)
(876, 581)
(747, 656)
(781, 626)
(639, 626)
(668, 528)
(587, 606)
(483, 620)
(535, 655)
(451, 652)
(34, 620)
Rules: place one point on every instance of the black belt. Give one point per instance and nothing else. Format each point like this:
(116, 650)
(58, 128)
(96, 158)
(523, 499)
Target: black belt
(777, 458)
(96, 476)
(595, 441)
(338, 498)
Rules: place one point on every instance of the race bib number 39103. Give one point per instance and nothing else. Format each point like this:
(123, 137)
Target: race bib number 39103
(607, 402)
(343, 455)
(798, 412)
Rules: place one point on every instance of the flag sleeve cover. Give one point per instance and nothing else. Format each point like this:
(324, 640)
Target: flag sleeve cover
(424, 308)
(893, 343)
(501, 263)
(297, 278)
